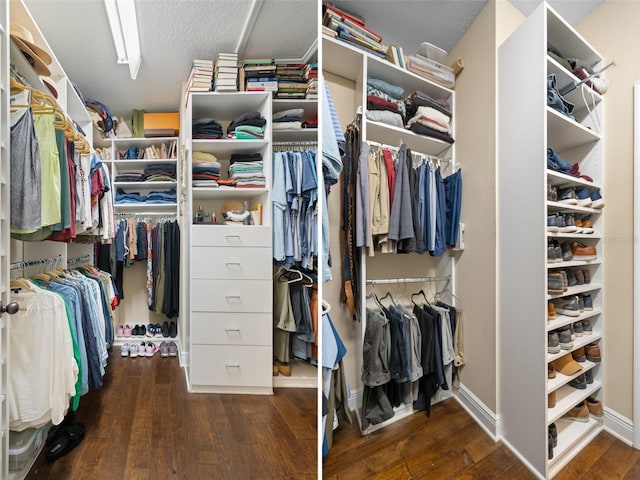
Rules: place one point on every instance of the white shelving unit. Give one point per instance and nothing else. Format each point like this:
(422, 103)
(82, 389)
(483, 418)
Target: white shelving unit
(229, 331)
(523, 177)
(357, 66)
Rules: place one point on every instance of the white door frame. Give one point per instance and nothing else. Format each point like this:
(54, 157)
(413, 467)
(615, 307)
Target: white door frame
(636, 264)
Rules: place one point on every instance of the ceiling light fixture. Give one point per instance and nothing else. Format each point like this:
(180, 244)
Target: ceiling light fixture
(124, 28)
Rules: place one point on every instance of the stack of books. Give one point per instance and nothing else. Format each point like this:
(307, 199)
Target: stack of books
(432, 70)
(201, 76)
(225, 74)
(258, 75)
(292, 81)
(311, 74)
(351, 29)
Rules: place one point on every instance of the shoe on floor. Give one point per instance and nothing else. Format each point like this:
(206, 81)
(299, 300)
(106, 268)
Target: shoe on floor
(275, 370)
(284, 368)
(579, 413)
(124, 350)
(173, 349)
(151, 349)
(133, 350)
(164, 349)
(66, 440)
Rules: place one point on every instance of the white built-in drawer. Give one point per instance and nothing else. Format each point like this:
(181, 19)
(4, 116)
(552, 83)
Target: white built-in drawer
(231, 365)
(230, 236)
(231, 328)
(231, 295)
(232, 263)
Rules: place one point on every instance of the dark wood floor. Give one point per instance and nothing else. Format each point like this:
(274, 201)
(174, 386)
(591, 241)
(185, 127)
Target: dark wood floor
(451, 445)
(144, 425)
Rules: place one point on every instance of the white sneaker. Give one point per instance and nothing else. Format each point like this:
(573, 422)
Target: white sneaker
(151, 349)
(124, 350)
(133, 350)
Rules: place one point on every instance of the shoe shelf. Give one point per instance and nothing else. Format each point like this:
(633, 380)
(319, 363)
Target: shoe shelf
(564, 133)
(589, 287)
(574, 235)
(558, 179)
(571, 435)
(568, 397)
(565, 207)
(303, 375)
(119, 341)
(577, 343)
(562, 320)
(573, 263)
(561, 380)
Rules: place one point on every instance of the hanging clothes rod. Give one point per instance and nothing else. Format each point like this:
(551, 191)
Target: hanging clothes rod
(387, 281)
(145, 214)
(86, 258)
(413, 152)
(303, 143)
(39, 261)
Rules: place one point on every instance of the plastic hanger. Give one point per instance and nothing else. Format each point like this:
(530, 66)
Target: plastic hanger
(22, 283)
(286, 272)
(421, 292)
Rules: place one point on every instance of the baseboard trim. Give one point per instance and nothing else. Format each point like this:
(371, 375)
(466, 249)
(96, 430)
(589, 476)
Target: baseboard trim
(478, 411)
(619, 426)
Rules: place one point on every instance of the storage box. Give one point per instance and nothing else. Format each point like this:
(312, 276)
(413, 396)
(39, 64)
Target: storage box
(24, 447)
(165, 124)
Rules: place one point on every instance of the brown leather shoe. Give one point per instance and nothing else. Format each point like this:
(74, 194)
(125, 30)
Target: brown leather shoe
(579, 413)
(579, 354)
(551, 370)
(595, 407)
(551, 400)
(275, 370)
(593, 352)
(551, 311)
(583, 252)
(284, 368)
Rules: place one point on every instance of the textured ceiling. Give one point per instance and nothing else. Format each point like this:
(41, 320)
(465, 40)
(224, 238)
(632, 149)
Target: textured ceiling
(172, 33)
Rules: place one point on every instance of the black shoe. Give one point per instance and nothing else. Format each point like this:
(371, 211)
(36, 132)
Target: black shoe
(553, 432)
(134, 332)
(579, 382)
(165, 329)
(142, 331)
(68, 438)
(173, 329)
(550, 447)
(589, 376)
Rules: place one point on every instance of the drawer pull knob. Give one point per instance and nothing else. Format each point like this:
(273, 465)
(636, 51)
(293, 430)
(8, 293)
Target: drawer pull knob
(232, 329)
(235, 238)
(232, 365)
(233, 297)
(232, 263)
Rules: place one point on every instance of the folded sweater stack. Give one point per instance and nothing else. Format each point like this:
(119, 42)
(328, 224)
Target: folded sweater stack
(248, 126)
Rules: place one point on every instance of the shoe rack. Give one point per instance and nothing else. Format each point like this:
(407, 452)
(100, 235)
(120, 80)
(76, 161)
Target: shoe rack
(525, 265)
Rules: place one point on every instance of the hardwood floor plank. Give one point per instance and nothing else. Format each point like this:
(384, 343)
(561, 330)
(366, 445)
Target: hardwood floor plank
(480, 446)
(614, 463)
(633, 473)
(586, 458)
(143, 424)
(300, 411)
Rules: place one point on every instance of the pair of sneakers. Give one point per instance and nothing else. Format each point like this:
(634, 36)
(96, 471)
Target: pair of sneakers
(133, 350)
(168, 349)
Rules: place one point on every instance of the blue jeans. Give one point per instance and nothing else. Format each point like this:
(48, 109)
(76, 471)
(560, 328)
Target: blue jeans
(555, 100)
(453, 193)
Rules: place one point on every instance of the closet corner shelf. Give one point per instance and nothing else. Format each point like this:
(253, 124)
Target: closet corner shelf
(225, 148)
(567, 398)
(226, 104)
(557, 206)
(561, 180)
(143, 162)
(589, 287)
(389, 135)
(341, 58)
(595, 236)
(213, 192)
(564, 133)
(562, 320)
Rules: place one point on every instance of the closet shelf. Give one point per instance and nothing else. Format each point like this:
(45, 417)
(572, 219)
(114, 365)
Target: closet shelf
(227, 105)
(562, 320)
(145, 185)
(387, 71)
(302, 134)
(139, 141)
(303, 375)
(563, 180)
(571, 435)
(595, 236)
(146, 206)
(589, 287)
(558, 207)
(561, 380)
(144, 162)
(224, 148)
(577, 343)
(564, 133)
(213, 192)
(342, 59)
(567, 398)
(390, 135)
(573, 263)
(563, 78)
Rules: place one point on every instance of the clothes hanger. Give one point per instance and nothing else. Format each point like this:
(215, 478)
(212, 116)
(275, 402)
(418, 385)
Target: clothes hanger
(21, 283)
(421, 292)
(326, 307)
(447, 289)
(285, 272)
